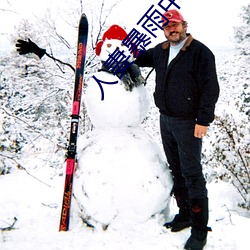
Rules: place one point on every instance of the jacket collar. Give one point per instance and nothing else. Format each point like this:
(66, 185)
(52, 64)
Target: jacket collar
(166, 44)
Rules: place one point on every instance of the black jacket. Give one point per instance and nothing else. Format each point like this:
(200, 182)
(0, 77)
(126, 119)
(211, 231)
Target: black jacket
(186, 88)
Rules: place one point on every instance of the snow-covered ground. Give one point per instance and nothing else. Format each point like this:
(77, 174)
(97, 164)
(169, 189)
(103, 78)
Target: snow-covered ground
(37, 208)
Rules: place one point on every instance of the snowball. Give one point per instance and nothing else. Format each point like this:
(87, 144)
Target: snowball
(122, 177)
(120, 108)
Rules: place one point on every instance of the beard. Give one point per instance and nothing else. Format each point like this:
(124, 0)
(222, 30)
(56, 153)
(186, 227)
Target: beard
(175, 37)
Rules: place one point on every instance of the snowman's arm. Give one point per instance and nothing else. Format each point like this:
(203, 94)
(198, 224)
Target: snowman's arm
(25, 47)
(57, 60)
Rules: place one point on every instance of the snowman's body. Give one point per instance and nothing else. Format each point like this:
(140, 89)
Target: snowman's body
(122, 177)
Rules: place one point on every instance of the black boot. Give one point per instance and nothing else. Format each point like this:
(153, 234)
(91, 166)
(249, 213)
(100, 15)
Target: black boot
(182, 220)
(199, 215)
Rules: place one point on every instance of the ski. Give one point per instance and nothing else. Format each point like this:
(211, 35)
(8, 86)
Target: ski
(71, 152)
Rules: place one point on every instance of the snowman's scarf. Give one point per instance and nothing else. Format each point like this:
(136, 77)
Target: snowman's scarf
(131, 78)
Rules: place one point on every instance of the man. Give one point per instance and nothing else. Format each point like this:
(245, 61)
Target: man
(186, 93)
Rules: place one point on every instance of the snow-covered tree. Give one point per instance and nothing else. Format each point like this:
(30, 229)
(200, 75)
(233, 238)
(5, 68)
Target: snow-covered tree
(34, 104)
(242, 33)
(230, 154)
(36, 95)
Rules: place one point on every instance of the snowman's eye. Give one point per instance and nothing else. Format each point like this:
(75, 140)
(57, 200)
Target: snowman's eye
(109, 45)
(122, 44)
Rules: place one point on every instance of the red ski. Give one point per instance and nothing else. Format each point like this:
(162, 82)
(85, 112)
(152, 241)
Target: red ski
(71, 153)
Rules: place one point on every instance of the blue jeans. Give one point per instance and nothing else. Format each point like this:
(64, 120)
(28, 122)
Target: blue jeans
(183, 152)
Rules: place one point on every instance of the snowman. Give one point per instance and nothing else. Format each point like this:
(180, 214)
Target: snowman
(122, 178)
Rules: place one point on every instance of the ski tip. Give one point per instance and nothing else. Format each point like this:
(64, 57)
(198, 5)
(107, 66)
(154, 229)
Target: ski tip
(83, 15)
(83, 20)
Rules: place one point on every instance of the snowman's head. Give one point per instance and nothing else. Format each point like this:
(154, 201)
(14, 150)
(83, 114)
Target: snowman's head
(111, 40)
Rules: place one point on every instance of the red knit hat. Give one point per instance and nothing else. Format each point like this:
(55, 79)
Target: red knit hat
(114, 32)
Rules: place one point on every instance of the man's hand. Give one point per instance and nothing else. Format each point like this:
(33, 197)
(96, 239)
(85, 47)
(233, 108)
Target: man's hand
(200, 131)
(24, 47)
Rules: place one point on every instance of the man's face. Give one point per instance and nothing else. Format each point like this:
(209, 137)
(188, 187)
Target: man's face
(175, 32)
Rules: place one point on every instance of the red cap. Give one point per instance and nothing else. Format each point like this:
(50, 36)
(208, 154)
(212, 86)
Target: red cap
(114, 32)
(173, 16)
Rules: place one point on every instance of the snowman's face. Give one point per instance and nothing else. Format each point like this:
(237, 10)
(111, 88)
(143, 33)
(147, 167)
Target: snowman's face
(109, 46)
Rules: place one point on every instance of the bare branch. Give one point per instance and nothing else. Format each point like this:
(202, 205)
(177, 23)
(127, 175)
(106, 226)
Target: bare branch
(10, 227)
(19, 166)
(102, 23)
(57, 60)
(8, 11)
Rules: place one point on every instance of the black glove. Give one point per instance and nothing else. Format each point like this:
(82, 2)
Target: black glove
(24, 47)
(135, 74)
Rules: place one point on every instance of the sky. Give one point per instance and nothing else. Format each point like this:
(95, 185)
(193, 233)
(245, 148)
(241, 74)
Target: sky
(211, 21)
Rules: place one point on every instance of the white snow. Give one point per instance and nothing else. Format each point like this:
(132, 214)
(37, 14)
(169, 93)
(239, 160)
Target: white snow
(34, 198)
(37, 208)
